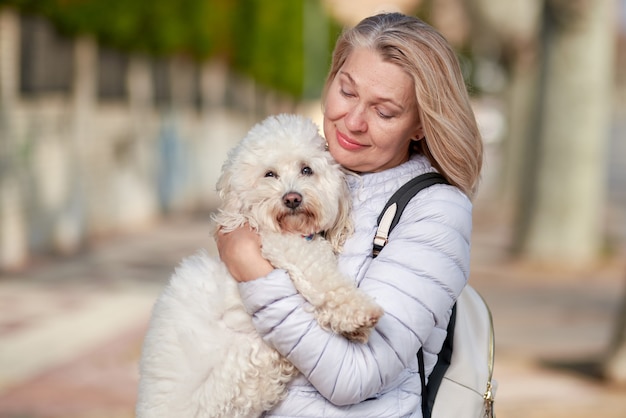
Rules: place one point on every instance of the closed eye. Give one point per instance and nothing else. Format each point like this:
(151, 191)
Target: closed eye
(383, 115)
(347, 94)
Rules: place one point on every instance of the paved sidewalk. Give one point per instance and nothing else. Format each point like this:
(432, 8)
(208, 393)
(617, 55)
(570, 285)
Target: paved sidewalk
(71, 329)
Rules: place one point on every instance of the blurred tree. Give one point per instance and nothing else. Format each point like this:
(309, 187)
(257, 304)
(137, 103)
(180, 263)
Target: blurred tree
(560, 58)
(265, 40)
(564, 220)
(269, 40)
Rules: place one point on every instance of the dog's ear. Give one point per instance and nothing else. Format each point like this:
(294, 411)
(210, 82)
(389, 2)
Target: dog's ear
(229, 215)
(343, 227)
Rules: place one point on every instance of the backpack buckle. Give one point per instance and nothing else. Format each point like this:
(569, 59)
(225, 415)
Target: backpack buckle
(379, 242)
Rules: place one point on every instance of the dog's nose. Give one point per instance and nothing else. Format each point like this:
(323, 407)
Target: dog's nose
(292, 200)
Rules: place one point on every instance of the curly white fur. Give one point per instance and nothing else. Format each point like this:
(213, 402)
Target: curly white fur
(202, 356)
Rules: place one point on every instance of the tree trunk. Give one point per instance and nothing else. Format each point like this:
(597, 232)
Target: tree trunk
(564, 220)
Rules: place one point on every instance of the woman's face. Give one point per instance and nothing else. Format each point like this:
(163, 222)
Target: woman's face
(370, 113)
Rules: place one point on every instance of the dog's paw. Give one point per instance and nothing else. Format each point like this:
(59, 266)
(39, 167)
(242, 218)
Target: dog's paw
(354, 322)
(360, 335)
(363, 322)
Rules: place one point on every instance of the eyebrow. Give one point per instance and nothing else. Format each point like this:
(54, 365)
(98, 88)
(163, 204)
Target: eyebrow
(379, 98)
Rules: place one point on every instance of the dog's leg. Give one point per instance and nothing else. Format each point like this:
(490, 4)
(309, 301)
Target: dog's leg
(312, 266)
(342, 307)
(250, 379)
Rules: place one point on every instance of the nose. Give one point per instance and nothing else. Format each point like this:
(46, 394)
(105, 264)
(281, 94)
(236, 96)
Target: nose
(355, 120)
(292, 200)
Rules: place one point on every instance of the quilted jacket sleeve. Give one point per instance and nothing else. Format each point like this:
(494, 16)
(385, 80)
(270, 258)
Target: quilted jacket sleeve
(416, 279)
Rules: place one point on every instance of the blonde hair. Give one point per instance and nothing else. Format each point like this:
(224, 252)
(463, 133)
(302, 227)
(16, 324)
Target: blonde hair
(452, 141)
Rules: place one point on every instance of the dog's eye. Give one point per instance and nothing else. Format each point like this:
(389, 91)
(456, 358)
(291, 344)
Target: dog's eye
(307, 171)
(271, 174)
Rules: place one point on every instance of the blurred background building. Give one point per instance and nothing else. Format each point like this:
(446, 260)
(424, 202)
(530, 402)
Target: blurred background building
(116, 113)
(99, 137)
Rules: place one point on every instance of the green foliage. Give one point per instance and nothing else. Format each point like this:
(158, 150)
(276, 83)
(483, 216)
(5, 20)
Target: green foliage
(270, 45)
(264, 39)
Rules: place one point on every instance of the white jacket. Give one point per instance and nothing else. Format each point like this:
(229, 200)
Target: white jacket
(416, 279)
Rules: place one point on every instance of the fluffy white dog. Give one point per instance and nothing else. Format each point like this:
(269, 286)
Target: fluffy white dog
(202, 356)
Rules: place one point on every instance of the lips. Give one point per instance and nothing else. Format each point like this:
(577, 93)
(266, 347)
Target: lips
(348, 144)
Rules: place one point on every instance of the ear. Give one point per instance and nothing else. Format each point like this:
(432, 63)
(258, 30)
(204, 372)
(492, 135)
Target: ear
(419, 134)
(343, 227)
(229, 214)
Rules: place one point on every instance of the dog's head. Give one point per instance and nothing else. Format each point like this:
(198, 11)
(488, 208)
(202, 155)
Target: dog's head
(280, 178)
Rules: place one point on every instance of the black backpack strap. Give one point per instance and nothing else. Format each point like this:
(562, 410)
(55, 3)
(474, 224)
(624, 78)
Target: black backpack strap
(426, 412)
(390, 215)
(387, 220)
(429, 392)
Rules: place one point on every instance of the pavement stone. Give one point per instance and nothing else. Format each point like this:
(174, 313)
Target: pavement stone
(71, 329)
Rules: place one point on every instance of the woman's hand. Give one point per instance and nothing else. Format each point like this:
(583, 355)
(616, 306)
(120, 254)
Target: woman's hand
(240, 250)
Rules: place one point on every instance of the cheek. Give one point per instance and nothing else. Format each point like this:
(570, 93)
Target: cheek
(394, 152)
(328, 130)
(390, 138)
(333, 107)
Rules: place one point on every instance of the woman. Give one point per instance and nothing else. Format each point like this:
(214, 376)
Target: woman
(395, 107)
